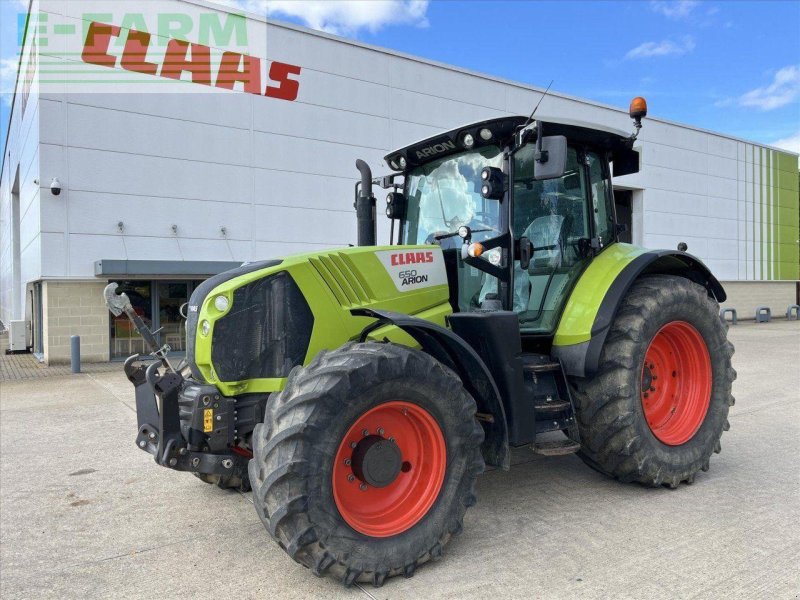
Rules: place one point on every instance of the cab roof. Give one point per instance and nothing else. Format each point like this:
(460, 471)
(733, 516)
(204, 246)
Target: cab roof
(502, 131)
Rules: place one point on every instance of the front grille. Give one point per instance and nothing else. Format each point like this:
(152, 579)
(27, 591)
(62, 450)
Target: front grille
(266, 332)
(199, 296)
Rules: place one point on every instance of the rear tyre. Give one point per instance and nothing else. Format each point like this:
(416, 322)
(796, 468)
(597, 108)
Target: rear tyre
(656, 409)
(366, 462)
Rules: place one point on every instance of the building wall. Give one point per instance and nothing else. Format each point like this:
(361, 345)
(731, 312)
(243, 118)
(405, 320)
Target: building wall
(745, 296)
(20, 227)
(75, 308)
(735, 204)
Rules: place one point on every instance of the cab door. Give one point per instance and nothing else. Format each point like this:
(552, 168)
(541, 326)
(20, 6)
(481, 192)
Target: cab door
(556, 217)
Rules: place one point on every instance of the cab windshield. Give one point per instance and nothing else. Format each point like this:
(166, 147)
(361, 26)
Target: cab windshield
(445, 194)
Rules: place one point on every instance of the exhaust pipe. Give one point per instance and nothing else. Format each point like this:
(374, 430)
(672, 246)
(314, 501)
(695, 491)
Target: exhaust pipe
(365, 207)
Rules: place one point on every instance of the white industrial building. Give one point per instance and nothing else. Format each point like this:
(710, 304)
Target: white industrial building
(164, 182)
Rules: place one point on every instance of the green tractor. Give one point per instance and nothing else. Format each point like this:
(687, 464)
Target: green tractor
(361, 391)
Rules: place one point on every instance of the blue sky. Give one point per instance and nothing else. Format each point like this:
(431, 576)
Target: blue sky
(732, 67)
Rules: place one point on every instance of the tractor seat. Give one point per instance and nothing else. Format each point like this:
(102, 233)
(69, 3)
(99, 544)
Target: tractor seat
(545, 231)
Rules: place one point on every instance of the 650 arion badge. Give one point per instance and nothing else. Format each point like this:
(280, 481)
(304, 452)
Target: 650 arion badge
(414, 269)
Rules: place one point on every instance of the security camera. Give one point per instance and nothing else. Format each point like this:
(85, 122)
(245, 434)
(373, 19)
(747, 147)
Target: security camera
(55, 186)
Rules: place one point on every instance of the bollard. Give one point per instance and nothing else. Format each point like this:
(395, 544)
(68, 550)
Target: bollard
(75, 353)
(790, 315)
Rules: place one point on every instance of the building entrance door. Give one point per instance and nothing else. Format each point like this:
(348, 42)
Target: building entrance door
(170, 296)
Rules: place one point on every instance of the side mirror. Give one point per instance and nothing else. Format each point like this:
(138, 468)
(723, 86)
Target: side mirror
(395, 205)
(551, 157)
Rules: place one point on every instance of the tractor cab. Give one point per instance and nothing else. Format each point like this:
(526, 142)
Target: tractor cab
(519, 208)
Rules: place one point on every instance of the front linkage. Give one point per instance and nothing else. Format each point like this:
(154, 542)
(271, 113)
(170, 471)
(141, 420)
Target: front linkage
(186, 426)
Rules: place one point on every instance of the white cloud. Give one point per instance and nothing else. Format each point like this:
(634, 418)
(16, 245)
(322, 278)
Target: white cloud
(785, 88)
(790, 143)
(674, 9)
(663, 48)
(8, 74)
(342, 17)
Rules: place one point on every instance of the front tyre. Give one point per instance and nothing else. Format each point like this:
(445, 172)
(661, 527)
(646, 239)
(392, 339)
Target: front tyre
(366, 462)
(656, 409)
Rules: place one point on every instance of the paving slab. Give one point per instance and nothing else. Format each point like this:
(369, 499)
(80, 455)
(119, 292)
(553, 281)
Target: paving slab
(84, 514)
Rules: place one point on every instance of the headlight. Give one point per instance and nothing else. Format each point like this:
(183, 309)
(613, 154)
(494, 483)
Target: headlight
(402, 162)
(205, 327)
(486, 134)
(221, 303)
(468, 140)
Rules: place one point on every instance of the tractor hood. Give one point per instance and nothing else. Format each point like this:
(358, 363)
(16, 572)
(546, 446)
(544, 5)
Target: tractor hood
(248, 327)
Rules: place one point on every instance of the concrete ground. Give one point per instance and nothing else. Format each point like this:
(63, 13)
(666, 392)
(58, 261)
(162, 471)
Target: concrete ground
(84, 514)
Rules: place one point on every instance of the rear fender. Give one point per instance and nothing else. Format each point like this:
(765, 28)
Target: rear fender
(577, 343)
(454, 352)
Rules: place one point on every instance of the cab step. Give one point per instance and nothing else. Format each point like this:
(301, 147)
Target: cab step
(556, 447)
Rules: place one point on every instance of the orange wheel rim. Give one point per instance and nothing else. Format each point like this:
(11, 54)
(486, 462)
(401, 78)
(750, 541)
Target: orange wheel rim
(676, 383)
(389, 469)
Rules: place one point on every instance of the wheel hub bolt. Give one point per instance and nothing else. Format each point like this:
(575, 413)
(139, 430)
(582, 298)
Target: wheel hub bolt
(363, 487)
(380, 431)
(353, 444)
(365, 432)
(347, 461)
(391, 439)
(351, 477)
(652, 389)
